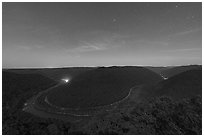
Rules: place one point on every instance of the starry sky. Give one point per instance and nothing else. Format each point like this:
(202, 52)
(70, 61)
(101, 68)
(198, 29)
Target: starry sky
(101, 34)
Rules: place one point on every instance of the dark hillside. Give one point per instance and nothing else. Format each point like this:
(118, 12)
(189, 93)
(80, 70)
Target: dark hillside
(159, 115)
(54, 73)
(185, 84)
(176, 70)
(60, 73)
(158, 70)
(16, 90)
(101, 86)
(23, 85)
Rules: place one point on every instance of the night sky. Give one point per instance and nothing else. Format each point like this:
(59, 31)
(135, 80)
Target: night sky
(101, 34)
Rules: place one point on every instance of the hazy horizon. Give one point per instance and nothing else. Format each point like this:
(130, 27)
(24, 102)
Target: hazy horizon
(54, 35)
(101, 66)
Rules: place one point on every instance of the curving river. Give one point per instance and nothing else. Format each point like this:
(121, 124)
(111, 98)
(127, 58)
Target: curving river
(47, 109)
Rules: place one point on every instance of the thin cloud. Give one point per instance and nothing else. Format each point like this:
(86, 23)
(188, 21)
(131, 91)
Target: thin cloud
(185, 32)
(183, 49)
(88, 47)
(23, 47)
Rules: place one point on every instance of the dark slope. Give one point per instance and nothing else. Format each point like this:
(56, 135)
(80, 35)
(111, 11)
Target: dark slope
(60, 73)
(23, 86)
(158, 70)
(185, 84)
(101, 86)
(176, 70)
(17, 89)
(54, 73)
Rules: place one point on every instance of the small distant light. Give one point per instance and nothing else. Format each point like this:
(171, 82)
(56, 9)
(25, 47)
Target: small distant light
(165, 78)
(66, 80)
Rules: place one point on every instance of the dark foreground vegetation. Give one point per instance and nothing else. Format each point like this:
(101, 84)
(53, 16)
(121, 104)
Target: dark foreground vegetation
(164, 113)
(161, 115)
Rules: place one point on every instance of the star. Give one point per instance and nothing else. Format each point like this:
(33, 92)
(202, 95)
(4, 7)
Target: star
(114, 20)
(190, 17)
(177, 6)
